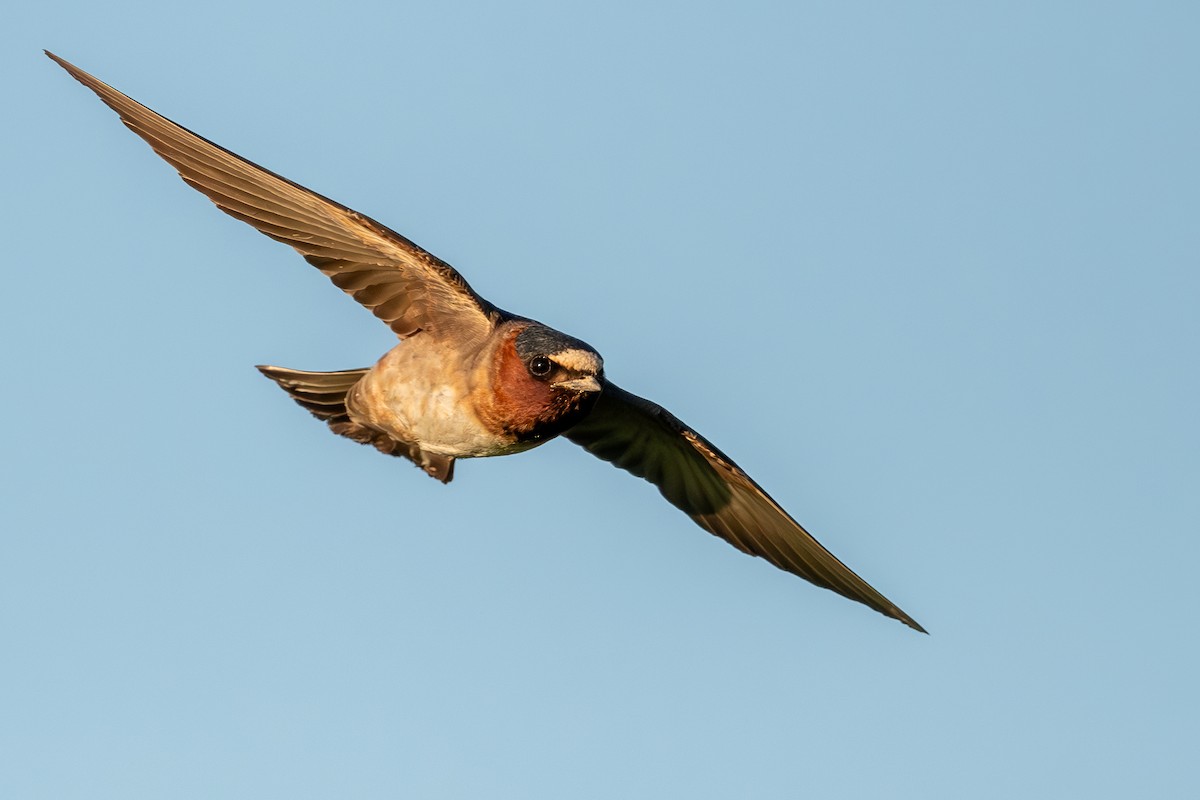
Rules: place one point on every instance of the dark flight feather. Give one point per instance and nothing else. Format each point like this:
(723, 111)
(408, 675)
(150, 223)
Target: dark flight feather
(694, 476)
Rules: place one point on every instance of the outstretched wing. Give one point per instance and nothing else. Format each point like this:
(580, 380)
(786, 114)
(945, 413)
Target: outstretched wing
(697, 478)
(406, 287)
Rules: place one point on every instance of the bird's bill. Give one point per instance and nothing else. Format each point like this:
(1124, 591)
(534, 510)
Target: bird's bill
(587, 383)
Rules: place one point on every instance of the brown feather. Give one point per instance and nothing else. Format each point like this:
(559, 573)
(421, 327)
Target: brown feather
(408, 288)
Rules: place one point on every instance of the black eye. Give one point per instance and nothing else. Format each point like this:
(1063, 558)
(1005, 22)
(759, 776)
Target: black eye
(540, 365)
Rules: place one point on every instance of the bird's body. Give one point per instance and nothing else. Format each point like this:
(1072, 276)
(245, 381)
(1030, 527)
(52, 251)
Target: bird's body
(432, 401)
(415, 394)
(470, 380)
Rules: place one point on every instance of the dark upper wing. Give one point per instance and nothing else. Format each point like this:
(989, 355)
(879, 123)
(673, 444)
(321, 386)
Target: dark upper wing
(400, 283)
(647, 440)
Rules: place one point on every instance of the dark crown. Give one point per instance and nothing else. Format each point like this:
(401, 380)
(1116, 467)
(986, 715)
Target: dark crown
(539, 340)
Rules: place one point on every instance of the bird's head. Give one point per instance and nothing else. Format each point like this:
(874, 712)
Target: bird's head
(561, 362)
(543, 381)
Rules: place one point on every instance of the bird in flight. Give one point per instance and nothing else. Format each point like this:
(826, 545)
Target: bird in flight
(469, 379)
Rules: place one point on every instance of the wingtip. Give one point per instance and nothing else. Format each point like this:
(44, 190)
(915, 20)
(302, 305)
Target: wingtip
(72, 70)
(910, 622)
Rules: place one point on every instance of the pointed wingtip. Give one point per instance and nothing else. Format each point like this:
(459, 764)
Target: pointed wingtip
(909, 621)
(72, 70)
(273, 373)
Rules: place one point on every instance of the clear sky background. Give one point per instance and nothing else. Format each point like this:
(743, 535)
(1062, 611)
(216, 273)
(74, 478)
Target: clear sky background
(929, 271)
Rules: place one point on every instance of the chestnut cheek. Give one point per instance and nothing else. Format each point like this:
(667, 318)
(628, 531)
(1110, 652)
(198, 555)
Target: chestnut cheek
(519, 401)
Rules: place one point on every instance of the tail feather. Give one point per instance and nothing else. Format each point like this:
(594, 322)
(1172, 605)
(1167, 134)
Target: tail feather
(323, 394)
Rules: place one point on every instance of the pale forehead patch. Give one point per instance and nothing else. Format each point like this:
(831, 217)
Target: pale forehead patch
(579, 361)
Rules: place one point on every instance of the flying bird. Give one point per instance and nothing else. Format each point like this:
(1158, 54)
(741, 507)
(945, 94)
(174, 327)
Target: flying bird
(469, 379)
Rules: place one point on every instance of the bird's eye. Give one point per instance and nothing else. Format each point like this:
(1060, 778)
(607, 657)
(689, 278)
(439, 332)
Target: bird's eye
(540, 365)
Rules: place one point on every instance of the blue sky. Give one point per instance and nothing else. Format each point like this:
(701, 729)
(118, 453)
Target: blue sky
(928, 271)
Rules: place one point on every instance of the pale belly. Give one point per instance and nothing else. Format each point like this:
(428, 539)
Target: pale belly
(419, 393)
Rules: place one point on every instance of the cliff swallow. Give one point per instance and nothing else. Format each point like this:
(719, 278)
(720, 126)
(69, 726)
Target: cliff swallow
(469, 379)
